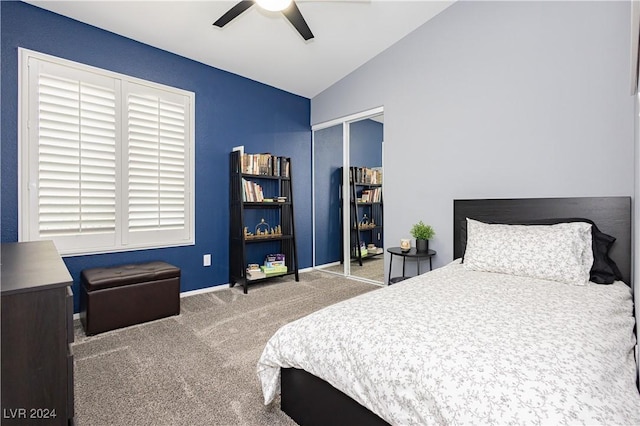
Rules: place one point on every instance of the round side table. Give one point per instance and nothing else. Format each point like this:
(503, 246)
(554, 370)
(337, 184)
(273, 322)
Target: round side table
(411, 254)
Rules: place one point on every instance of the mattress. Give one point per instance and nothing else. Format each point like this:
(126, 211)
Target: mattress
(455, 346)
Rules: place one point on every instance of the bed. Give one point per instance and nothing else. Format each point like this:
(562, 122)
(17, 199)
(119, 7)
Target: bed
(464, 346)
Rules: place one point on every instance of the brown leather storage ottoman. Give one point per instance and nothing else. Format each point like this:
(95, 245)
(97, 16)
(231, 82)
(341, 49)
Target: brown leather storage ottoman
(120, 296)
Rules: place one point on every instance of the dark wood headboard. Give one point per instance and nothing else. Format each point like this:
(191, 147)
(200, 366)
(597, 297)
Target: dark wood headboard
(612, 215)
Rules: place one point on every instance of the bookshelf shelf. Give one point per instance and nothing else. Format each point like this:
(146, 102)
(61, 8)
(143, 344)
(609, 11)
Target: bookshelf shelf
(251, 237)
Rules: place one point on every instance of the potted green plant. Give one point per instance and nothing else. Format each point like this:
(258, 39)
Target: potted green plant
(422, 233)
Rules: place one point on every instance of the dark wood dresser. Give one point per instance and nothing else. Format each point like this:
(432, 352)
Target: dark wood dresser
(37, 331)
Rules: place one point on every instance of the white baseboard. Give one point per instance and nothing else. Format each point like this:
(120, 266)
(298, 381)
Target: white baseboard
(204, 290)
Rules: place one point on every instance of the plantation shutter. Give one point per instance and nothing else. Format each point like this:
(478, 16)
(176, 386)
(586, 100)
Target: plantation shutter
(74, 173)
(157, 156)
(76, 158)
(106, 160)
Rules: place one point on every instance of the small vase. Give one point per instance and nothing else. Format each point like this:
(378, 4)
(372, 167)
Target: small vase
(422, 245)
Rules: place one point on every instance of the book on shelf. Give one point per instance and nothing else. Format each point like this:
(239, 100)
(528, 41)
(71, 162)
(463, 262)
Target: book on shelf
(367, 175)
(265, 165)
(274, 264)
(273, 270)
(274, 257)
(255, 275)
(252, 192)
(254, 272)
(371, 195)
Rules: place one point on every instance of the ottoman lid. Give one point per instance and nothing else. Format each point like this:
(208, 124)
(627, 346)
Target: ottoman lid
(101, 278)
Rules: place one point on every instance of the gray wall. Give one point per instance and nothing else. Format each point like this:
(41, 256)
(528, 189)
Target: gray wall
(497, 99)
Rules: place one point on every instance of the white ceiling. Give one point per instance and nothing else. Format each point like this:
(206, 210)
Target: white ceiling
(260, 45)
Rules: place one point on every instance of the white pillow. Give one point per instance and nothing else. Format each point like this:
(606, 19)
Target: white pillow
(560, 252)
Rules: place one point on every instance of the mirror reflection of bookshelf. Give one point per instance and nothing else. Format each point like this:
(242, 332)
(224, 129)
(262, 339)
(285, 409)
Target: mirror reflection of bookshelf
(366, 206)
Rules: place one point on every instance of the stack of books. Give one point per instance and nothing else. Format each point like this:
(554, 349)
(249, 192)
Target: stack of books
(265, 164)
(254, 272)
(251, 191)
(371, 195)
(368, 175)
(274, 264)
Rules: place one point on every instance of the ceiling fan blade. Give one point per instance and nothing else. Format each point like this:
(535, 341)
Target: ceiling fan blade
(233, 13)
(295, 17)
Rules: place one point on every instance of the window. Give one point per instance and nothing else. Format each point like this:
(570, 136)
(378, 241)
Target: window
(106, 160)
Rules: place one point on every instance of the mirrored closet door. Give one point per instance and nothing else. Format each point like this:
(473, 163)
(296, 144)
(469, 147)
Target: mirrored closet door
(348, 202)
(366, 201)
(327, 183)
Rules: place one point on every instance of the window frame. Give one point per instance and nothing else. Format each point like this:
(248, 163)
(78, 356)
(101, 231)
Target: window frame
(124, 239)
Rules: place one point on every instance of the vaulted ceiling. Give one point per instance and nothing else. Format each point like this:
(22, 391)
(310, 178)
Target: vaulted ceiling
(258, 44)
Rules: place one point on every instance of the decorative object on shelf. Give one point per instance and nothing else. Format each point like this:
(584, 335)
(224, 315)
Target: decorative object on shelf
(262, 228)
(422, 233)
(365, 223)
(405, 244)
(263, 231)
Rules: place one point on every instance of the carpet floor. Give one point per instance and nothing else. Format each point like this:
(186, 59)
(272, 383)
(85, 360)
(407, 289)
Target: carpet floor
(197, 368)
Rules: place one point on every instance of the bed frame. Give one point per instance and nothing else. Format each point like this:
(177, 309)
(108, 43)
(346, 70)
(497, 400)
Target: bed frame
(309, 400)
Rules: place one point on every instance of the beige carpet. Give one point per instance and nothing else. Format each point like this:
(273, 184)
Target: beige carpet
(198, 368)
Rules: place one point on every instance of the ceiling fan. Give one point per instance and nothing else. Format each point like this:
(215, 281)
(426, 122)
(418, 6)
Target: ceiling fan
(288, 8)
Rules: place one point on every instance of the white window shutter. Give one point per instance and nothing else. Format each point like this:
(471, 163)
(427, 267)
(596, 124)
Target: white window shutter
(76, 158)
(73, 131)
(106, 160)
(157, 177)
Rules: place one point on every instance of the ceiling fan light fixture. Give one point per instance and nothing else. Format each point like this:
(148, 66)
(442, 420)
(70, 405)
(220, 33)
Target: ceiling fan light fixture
(274, 5)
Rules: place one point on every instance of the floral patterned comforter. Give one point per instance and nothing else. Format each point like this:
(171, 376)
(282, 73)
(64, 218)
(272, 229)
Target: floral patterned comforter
(454, 346)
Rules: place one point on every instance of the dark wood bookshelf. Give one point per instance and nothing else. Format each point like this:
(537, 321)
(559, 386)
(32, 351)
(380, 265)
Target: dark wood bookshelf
(245, 249)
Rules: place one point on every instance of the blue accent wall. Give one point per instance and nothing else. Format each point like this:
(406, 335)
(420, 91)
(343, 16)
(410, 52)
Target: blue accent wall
(365, 143)
(230, 110)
